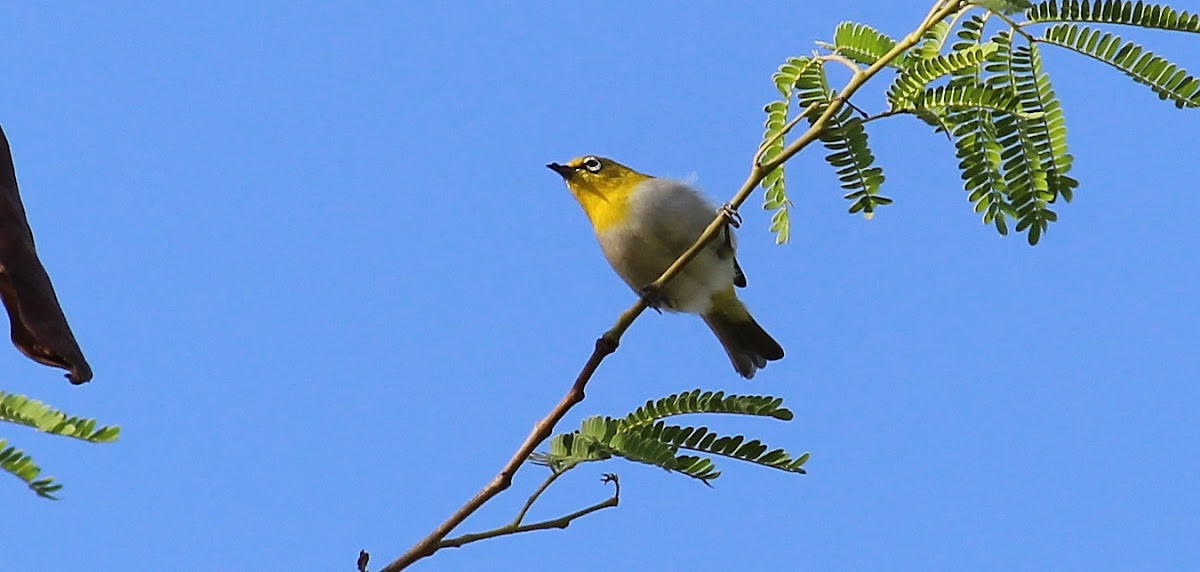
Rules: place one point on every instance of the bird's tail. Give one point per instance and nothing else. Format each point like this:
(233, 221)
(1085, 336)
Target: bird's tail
(749, 346)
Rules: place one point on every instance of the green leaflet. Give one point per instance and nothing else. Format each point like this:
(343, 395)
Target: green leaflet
(18, 464)
(642, 436)
(846, 139)
(1139, 14)
(700, 439)
(1043, 120)
(989, 95)
(912, 80)
(933, 40)
(32, 413)
(978, 150)
(775, 196)
(971, 33)
(21, 410)
(1009, 132)
(852, 158)
(781, 224)
(1029, 171)
(864, 44)
(968, 95)
(976, 139)
(707, 402)
(1006, 7)
(788, 73)
(1163, 77)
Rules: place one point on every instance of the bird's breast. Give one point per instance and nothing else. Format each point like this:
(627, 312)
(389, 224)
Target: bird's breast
(639, 259)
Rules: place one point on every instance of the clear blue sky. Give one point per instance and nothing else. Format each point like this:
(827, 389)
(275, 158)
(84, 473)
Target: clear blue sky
(327, 286)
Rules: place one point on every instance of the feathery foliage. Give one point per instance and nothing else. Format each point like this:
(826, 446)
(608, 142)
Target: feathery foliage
(864, 44)
(21, 410)
(696, 401)
(1138, 14)
(33, 413)
(772, 145)
(775, 198)
(933, 40)
(643, 437)
(1025, 170)
(1006, 7)
(846, 139)
(18, 464)
(1043, 123)
(1163, 77)
(987, 91)
(969, 96)
(913, 79)
(701, 439)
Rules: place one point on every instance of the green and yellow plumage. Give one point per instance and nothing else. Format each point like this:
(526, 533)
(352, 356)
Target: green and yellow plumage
(643, 224)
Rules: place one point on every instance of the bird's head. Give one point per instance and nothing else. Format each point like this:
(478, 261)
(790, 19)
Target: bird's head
(593, 178)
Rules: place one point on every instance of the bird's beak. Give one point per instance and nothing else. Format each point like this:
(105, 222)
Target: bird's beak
(562, 170)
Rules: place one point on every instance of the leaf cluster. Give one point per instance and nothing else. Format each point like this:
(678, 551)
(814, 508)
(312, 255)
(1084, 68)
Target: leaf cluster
(21, 410)
(644, 436)
(986, 89)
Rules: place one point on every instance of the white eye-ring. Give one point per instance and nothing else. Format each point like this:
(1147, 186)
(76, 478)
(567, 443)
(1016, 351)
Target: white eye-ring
(592, 164)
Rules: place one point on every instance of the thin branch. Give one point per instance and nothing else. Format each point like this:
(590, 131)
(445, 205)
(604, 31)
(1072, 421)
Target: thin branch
(608, 343)
(954, 18)
(932, 17)
(854, 70)
(1018, 28)
(790, 124)
(851, 105)
(942, 10)
(842, 60)
(533, 497)
(884, 114)
(560, 522)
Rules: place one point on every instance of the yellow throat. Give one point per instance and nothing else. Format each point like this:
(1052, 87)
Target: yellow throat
(602, 187)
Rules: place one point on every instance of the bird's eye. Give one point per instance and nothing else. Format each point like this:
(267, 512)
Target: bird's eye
(592, 164)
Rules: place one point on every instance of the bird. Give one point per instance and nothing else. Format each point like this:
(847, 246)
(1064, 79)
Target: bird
(644, 224)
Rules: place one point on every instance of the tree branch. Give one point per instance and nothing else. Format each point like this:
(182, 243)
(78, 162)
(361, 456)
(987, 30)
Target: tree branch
(786, 128)
(1018, 28)
(608, 343)
(560, 522)
(534, 497)
(885, 114)
(853, 67)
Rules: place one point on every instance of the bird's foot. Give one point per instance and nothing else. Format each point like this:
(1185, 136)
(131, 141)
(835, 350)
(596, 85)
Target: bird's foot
(653, 297)
(732, 218)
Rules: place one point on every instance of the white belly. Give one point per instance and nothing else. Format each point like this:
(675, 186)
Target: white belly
(665, 218)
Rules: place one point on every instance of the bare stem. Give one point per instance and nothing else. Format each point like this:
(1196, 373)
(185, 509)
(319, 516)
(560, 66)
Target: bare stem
(607, 344)
(1018, 28)
(786, 128)
(853, 67)
(884, 114)
(514, 528)
(534, 497)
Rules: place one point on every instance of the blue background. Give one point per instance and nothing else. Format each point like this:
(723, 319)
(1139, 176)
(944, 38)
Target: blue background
(327, 287)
